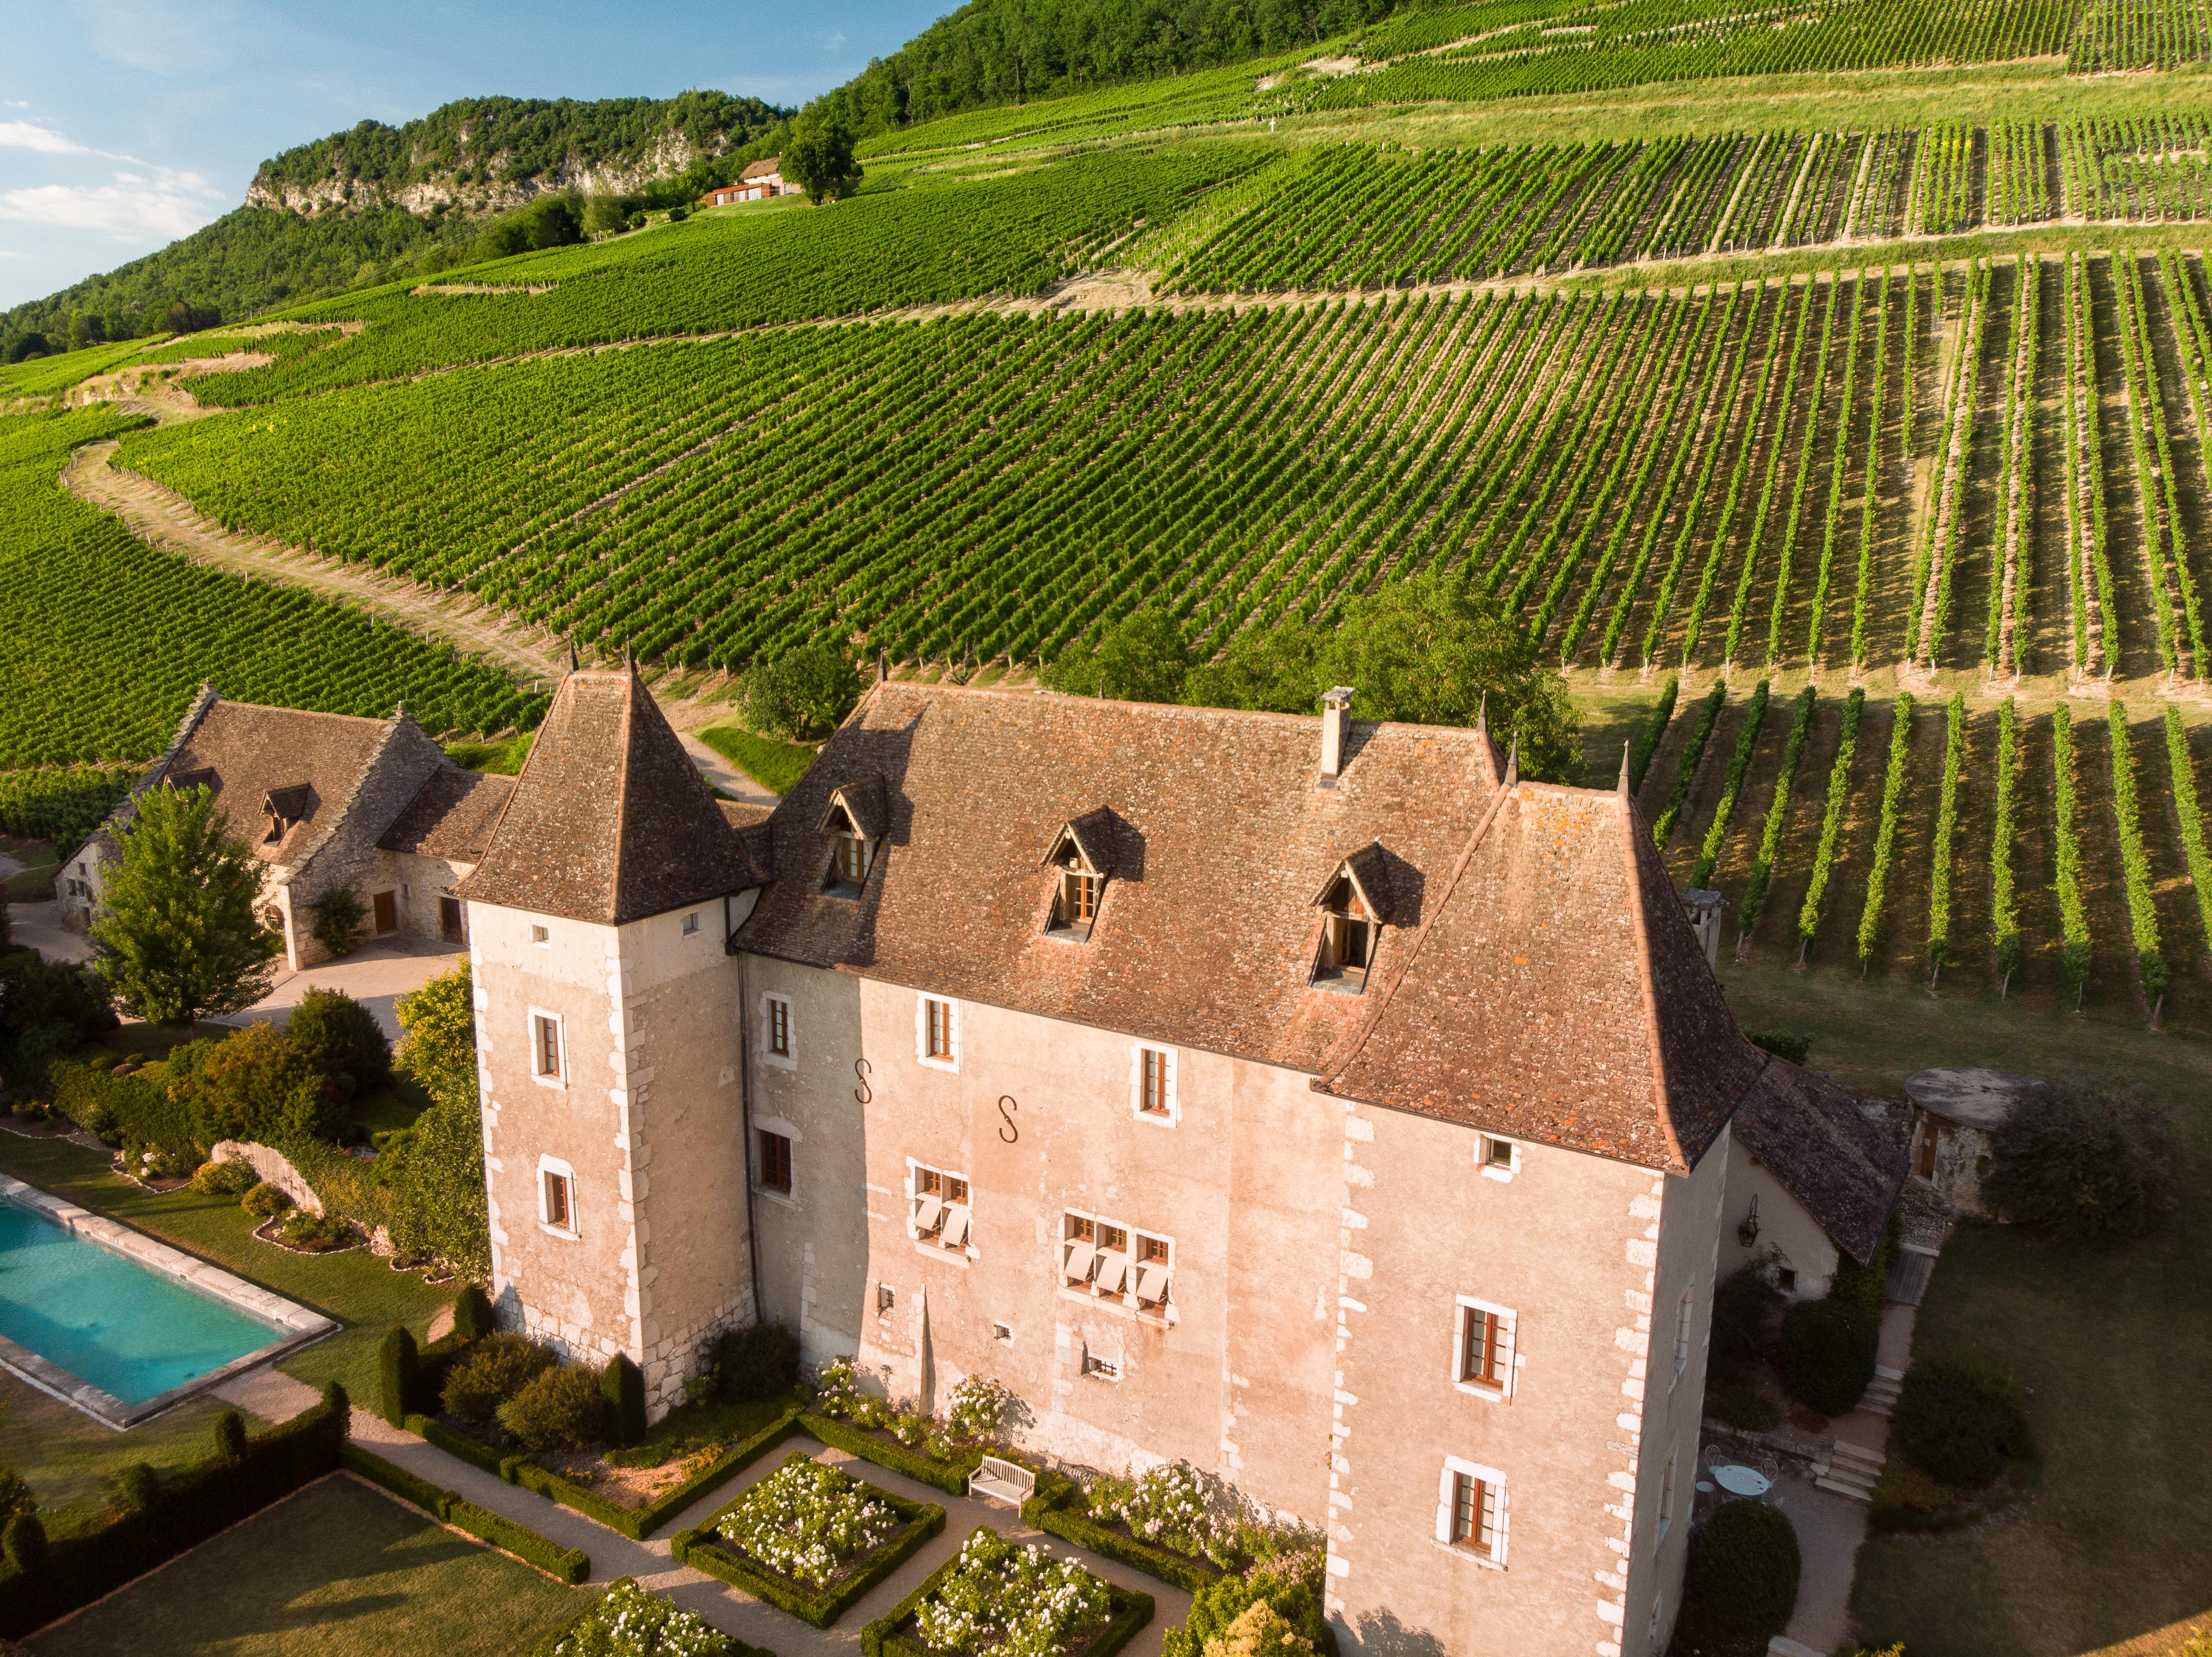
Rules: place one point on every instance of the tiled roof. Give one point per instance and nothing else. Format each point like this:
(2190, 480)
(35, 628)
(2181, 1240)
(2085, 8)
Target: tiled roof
(761, 169)
(310, 763)
(609, 822)
(451, 815)
(1846, 1170)
(1207, 932)
(1556, 993)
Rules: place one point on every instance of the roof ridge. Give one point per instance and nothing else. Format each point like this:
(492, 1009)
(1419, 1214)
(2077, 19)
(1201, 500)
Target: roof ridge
(622, 794)
(1651, 990)
(1187, 709)
(1348, 1049)
(399, 721)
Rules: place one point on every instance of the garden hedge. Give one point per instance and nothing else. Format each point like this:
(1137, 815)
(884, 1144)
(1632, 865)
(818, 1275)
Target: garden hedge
(1959, 1419)
(498, 1463)
(550, 1643)
(701, 1549)
(1052, 1510)
(1828, 1352)
(638, 1523)
(410, 1377)
(196, 1502)
(950, 1477)
(881, 1638)
(123, 1110)
(569, 1565)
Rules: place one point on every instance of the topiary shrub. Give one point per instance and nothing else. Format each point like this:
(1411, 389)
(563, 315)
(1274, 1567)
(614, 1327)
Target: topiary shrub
(496, 1369)
(1959, 1419)
(1744, 1309)
(338, 916)
(24, 1543)
(399, 1361)
(15, 1495)
(1743, 1570)
(559, 1409)
(1828, 1354)
(2078, 1163)
(473, 1318)
(621, 1387)
(140, 1487)
(341, 1037)
(232, 1179)
(230, 1436)
(265, 1201)
(756, 1362)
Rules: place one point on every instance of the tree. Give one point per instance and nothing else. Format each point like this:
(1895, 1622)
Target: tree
(2072, 1161)
(1274, 669)
(437, 1170)
(605, 214)
(1144, 657)
(177, 939)
(802, 695)
(339, 1036)
(817, 157)
(48, 1009)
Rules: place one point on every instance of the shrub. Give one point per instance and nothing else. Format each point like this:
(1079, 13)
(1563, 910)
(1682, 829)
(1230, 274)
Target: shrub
(1782, 1043)
(1745, 1407)
(232, 1179)
(265, 1201)
(230, 1436)
(999, 1593)
(1743, 1569)
(472, 1314)
(1170, 1507)
(15, 1495)
(255, 1085)
(1828, 1354)
(1867, 1286)
(497, 1368)
(139, 1486)
(24, 1543)
(622, 1385)
(338, 916)
(1216, 1607)
(978, 1407)
(339, 1036)
(558, 1409)
(838, 1392)
(807, 1520)
(47, 1009)
(316, 1232)
(755, 1363)
(630, 1619)
(1744, 1307)
(1261, 1631)
(397, 1363)
(1959, 1418)
(2080, 1165)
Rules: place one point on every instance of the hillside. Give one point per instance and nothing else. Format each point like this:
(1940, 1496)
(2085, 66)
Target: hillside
(1861, 383)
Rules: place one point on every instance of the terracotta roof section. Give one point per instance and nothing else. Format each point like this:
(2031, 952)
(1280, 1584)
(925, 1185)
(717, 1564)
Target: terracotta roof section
(309, 764)
(1205, 935)
(1556, 993)
(609, 821)
(451, 816)
(1810, 1135)
(761, 169)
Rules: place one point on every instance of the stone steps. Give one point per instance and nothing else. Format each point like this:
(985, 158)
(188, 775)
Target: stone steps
(1851, 1471)
(1882, 1392)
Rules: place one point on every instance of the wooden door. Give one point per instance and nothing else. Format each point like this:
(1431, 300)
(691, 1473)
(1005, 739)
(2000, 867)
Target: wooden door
(449, 919)
(388, 913)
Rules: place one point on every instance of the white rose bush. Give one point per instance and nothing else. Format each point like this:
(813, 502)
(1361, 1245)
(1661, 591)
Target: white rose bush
(630, 1622)
(1011, 1601)
(808, 1521)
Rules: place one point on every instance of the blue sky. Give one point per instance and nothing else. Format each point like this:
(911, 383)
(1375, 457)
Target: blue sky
(126, 123)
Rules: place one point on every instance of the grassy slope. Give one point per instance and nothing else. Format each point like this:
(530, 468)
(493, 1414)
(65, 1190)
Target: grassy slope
(340, 1569)
(2116, 1545)
(776, 766)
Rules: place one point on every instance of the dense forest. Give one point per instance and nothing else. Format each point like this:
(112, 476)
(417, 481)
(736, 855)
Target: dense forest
(1002, 52)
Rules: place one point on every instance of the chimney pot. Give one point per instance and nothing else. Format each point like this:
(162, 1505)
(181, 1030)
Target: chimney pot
(1335, 726)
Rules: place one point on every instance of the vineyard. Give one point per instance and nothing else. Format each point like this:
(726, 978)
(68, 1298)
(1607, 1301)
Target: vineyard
(106, 639)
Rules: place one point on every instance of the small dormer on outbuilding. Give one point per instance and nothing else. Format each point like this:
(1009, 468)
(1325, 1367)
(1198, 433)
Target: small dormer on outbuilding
(1082, 861)
(287, 808)
(855, 821)
(1355, 906)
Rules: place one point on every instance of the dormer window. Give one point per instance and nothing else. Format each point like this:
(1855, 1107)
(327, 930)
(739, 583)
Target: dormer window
(1351, 906)
(853, 823)
(1081, 862)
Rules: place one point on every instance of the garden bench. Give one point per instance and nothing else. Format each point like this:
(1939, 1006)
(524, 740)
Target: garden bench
(1002, 1481)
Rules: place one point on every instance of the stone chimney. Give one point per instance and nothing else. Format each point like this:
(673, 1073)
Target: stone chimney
(1703, 909)
(1335, 727)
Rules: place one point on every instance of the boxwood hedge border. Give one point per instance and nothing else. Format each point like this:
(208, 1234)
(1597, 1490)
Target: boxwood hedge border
(698, 1549)
(569, 1565)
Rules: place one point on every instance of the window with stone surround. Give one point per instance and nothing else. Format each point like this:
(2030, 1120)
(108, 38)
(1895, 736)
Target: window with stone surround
(1684, 1325)
(940, 1213)
(1110, 1262)
(1483, 1348)
(937, 1033)
(1666, 1494)
(775, 1038)
(549, 1048)
(1498, 1159)
(775, 1161)
(1471, 1513)
(1152, 1084)
(556, 1196)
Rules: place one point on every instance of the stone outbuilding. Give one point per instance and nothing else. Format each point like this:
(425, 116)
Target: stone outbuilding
(1956, 1112)
(1815, 1179)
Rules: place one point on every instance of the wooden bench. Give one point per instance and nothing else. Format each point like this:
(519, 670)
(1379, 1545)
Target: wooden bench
(1002, 1481)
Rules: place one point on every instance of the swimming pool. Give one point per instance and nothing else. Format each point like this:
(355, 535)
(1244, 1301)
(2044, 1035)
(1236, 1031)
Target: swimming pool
(120, 1325)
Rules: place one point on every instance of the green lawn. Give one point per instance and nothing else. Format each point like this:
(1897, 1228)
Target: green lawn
(2112, 1550)
(776, 766)
(495, 759)
(69, 1459)
(357, 1288)
(340, 1570)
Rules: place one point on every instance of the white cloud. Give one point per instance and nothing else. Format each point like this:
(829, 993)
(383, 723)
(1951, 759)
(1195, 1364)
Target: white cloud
(21, 135)
(835, 42)
(169, 205)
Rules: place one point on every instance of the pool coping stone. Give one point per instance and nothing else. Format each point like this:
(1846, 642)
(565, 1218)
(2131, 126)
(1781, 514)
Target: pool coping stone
(300, 1325)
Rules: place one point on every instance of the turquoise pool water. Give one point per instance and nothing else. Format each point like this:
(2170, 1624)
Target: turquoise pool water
(109, 1320)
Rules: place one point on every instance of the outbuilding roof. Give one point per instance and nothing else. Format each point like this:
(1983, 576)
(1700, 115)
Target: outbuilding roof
(609, 821)
(1811, 1136)
(761, 169)
(451, 815)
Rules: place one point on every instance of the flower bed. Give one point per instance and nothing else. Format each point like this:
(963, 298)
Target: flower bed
(809, 1539)
(996, 1596)
(630, 1622)
(639, 1522)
